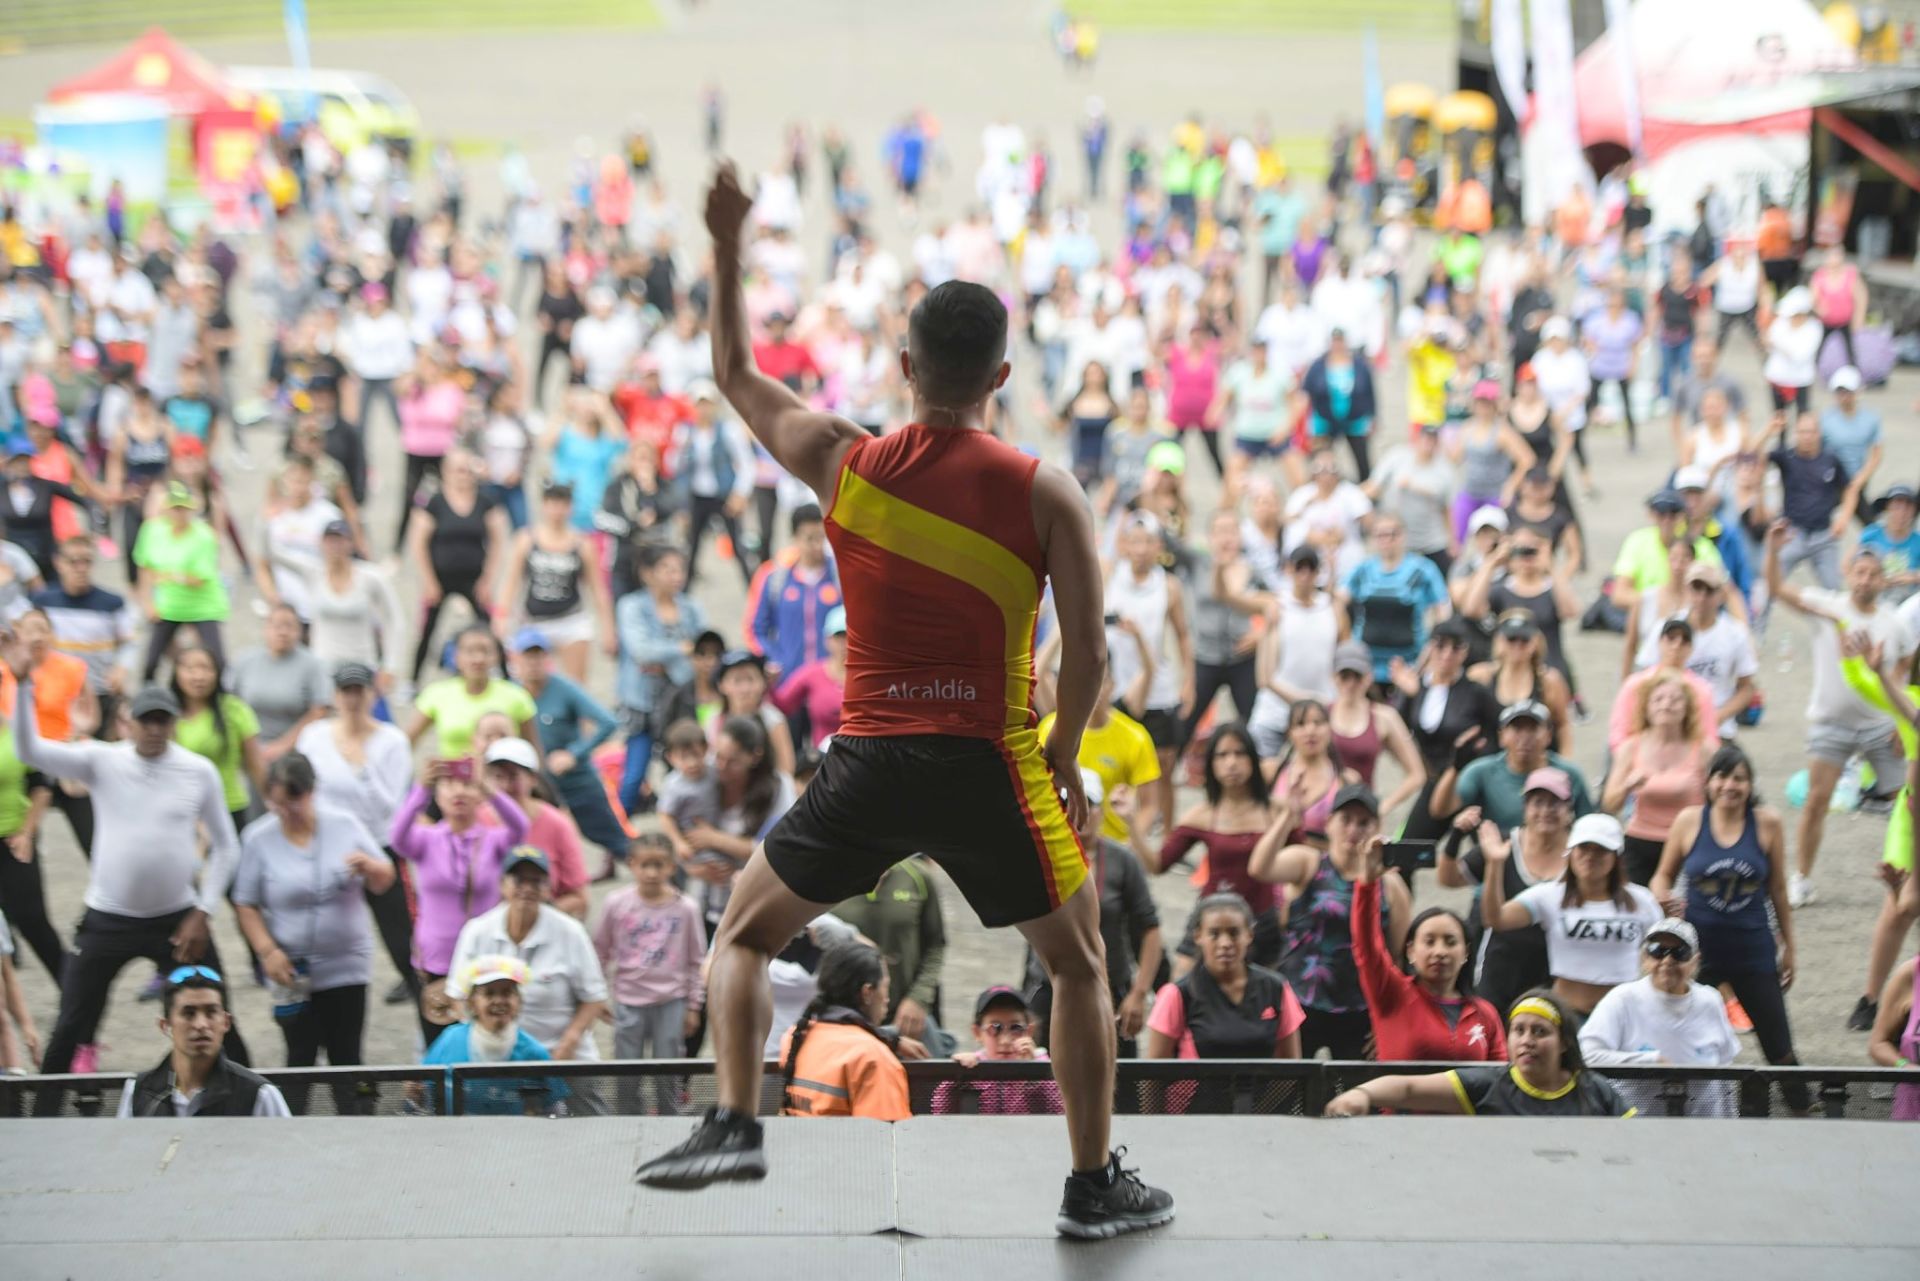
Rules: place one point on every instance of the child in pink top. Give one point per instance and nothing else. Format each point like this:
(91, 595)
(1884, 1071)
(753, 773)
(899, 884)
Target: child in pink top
(652, 944)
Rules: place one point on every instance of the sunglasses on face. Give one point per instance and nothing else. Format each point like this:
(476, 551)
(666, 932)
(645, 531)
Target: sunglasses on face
(998, 1028)
(1678, 951)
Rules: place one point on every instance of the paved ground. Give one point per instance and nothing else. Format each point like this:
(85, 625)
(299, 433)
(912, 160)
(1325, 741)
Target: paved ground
(860, 63)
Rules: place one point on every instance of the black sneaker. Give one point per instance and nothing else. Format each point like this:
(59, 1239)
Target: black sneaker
(399, 994)
(1877, 802)
(1094, 1211)
(1864, 1013)
(725, 1146)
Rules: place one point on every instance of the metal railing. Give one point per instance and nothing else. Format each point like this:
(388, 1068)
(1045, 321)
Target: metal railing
(1253, 1087)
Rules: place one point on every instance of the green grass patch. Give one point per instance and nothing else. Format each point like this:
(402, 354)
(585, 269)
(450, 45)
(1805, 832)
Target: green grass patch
(1393, 18)
(33, 23)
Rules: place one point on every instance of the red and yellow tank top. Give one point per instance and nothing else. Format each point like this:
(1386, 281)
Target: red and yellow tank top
(942, 572)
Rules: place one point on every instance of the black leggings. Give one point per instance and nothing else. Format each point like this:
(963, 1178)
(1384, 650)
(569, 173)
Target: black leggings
(419, 467)
(161, 639)
(23, 900)
(1846, 336)
(1211, 439)
(1626, 409)
(1642, 858)
(701, 513)
(1209, 679)
(1362, 447)
(104, 944)
(1345, 1034)
(548, 350)
(333, 1020)
(395, 923)
(451, 585)
(79, 809)
(766, 510)
(1766, 1005)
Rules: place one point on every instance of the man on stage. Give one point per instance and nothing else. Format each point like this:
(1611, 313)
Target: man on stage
(945, 538)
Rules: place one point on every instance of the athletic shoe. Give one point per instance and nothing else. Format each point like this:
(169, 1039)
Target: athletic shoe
(1876, 803)
(1737, 1016)
(86, 1060)
(1095, 1210)
(399, 994)
(725, 1146)
(155, 989)
(1800, 890)
(1864, 1013)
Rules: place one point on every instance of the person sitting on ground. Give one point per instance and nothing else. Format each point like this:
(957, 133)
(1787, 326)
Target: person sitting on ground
(1004, 1028)
(1664, 1016)
(197, 1078)
(1546, 1076)
(492, 1034)
(835, 1061)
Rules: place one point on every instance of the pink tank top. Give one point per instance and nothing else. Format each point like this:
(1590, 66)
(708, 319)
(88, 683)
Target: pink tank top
(1833, 295)
(1662, 797)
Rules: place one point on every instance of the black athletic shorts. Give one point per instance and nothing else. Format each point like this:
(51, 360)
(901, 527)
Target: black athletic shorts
(984, 809)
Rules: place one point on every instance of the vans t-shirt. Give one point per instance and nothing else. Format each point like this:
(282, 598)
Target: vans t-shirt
(1595, 941)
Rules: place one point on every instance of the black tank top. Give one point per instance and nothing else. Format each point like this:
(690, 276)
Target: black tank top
(146, 459)
(458, 547)
(553, 582)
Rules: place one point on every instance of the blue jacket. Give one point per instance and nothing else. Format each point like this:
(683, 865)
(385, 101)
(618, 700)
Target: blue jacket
(651, 657)
(500, 1096)
(571, 720)
(790, 620)
(1360, 406)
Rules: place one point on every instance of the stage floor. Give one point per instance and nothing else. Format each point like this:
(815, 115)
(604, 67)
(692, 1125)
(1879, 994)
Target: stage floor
(959, 1198)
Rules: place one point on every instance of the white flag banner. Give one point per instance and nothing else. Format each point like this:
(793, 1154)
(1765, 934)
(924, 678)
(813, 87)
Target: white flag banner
(1620, 32)
(1555, 164)
(1507, 38)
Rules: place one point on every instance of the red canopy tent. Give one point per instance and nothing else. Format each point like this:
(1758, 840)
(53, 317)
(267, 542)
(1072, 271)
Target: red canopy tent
(155, 66)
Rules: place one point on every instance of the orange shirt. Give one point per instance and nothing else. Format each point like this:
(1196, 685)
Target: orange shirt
(845, 1070)
(58, 679)
(942, 571)
(1774, 236)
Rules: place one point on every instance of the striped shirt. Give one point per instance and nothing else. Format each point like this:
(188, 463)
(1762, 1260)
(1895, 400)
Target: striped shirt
(97, 627)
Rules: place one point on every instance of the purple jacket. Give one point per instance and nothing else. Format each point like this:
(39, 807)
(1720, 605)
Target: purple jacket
(455, 878)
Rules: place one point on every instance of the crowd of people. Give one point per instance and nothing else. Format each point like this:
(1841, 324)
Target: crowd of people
(1350, 650)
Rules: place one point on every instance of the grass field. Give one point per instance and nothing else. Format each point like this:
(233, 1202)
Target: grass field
(33, 23)
(1392, 18)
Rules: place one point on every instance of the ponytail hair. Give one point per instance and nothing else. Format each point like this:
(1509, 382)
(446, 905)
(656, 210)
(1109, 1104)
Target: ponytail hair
(845, 968)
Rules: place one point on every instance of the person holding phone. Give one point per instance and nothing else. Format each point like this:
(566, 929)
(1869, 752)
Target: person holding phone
(456, 867)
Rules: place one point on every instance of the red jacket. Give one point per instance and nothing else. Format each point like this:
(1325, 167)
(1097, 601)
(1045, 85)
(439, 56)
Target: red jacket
(1408, 1024)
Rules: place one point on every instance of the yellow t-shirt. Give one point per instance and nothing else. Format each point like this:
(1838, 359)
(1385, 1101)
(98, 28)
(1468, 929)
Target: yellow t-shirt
(1121, 753)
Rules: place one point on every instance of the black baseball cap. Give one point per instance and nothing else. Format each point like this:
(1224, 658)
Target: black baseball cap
(352, 675)
(1677, 627)
(1666, 502)
(154, 700)
(999, 994)
(1356, 794)
(1454, 629)
(526, 856)
(1519, 625)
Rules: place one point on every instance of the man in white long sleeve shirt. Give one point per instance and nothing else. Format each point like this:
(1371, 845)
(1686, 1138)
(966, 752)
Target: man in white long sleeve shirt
(151, 798)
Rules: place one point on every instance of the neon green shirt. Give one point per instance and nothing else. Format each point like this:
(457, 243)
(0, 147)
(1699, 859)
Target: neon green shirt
(1643, 558)
(163, 554)
(455, 713)
(197, 733)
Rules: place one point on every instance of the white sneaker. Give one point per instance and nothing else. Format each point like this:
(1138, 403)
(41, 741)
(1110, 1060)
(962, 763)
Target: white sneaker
(1799, 890)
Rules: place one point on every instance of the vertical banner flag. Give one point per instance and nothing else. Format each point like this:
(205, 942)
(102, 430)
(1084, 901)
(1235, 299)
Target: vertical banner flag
(1507, 39)
(1620, 28)
(1557, 165)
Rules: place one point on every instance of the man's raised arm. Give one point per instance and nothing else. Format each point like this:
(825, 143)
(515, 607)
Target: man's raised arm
(808, 444)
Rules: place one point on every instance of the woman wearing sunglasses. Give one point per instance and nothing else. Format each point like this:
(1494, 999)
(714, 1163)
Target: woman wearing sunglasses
(1664, 1016)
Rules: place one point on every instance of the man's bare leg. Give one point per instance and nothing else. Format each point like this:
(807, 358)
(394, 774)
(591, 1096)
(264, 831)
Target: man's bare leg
(1822, 776)
(1101, 1199)
(1067, 941)
(761, 918)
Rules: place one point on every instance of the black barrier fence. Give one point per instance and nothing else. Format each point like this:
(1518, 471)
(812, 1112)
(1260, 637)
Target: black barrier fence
(1151, 1087)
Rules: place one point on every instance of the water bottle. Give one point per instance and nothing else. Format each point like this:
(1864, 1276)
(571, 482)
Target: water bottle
(290, 1000)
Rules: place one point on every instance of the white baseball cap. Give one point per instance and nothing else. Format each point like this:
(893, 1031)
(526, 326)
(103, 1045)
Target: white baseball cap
(1556, 327)
(1603, 830)
(1691, 477)
(1845, 378)
(514, 751)
(1487, 518)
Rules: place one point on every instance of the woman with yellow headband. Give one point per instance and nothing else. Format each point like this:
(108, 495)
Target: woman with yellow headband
(1545, 1076)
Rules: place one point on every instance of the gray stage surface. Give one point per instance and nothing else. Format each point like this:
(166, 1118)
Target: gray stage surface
(959, 1198)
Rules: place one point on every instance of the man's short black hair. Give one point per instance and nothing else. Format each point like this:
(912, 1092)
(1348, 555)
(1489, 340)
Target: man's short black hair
(189, 983)
(957, 336)
(807, 514)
